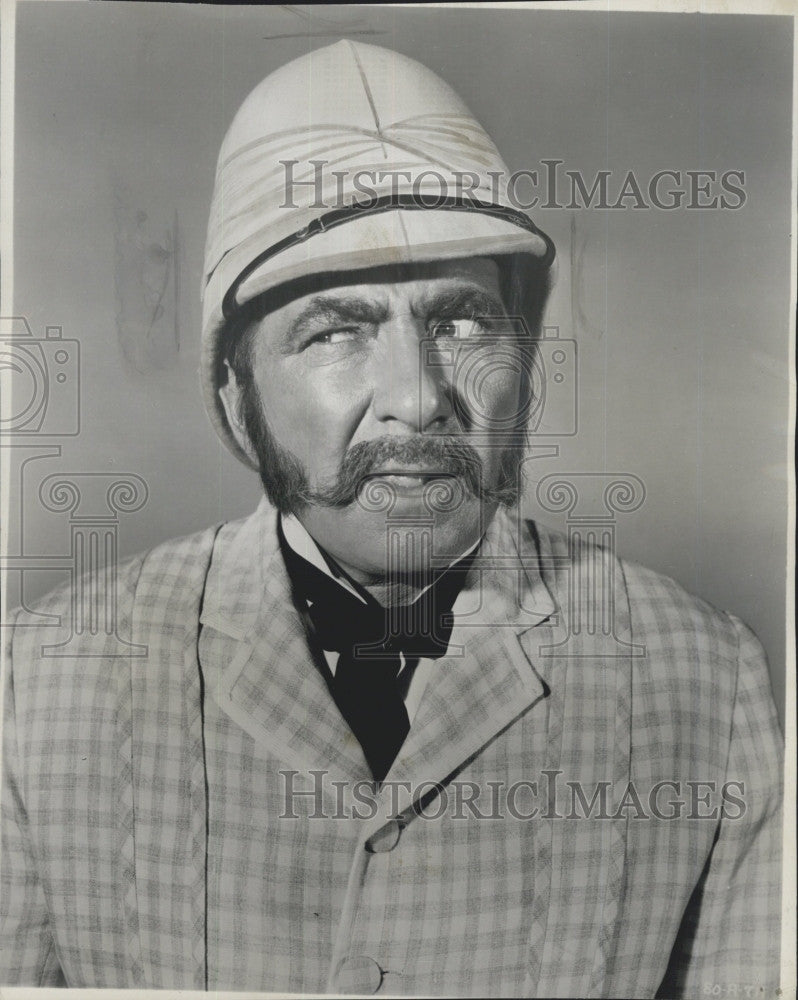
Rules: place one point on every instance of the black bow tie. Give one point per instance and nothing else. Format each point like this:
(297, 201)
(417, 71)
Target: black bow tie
(374, 643)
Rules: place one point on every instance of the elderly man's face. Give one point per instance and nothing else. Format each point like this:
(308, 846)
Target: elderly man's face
(391, 401)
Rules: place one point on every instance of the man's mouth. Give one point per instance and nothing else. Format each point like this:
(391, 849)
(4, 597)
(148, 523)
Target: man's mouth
(409, 479)
(411, 474)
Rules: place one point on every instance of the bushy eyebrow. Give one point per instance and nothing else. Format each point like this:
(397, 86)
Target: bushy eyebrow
(450, 303)
(475, 303)
(336, 309)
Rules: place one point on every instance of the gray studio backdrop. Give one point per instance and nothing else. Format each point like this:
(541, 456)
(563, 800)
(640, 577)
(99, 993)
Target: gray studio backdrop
(681, 317)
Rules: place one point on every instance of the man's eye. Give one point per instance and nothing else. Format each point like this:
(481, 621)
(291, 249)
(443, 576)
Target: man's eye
(455, 329)
(332, 337)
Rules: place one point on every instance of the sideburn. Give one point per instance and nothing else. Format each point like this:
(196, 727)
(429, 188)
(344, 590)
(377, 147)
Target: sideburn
(284, 480)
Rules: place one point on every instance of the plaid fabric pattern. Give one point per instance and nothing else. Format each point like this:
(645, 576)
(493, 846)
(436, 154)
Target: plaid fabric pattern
(145, 835)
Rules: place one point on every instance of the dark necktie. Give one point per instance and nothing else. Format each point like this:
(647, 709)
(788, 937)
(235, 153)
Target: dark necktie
(373, 644)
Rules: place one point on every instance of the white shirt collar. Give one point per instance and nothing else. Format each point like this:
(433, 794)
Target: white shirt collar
(302, 543)
(297, 536)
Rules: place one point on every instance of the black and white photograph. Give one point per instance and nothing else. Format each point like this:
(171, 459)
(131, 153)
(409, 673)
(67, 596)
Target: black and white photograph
(398, 503)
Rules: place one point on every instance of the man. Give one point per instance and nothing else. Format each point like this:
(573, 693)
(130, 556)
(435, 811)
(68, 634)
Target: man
(370, 738)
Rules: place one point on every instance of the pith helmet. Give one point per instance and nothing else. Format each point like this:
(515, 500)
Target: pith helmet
(352, 156)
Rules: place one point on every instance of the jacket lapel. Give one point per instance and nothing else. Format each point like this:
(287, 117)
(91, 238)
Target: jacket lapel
(263, 675)
(487, 679)
(512, 626)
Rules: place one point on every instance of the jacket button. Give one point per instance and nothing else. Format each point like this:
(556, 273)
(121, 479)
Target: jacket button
(358, 974)
(385, 839)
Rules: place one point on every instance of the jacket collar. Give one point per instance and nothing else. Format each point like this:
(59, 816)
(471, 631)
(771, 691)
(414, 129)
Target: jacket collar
(487, 679)
(270, 686)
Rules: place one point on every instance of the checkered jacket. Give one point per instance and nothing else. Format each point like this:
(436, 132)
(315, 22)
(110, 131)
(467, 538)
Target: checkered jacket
(183, 805)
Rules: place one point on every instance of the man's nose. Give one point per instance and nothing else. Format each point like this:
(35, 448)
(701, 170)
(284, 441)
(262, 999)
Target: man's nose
(408, 386)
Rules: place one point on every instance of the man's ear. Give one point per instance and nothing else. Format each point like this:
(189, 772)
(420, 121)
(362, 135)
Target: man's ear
(231, 396)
